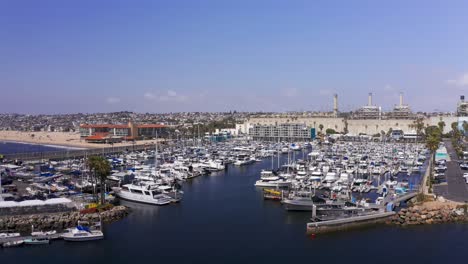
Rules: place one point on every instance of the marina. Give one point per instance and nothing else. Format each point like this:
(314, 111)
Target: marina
(233, 132)
(331, 180)
(268, 228)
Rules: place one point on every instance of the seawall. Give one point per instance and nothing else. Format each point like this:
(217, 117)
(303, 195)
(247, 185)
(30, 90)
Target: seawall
(59, 221)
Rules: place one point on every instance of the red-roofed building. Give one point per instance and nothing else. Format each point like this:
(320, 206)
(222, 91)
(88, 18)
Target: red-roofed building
(106, 133)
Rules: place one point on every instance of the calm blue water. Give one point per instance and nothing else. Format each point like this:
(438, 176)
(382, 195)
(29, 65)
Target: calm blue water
(223, 219)
(10, 147)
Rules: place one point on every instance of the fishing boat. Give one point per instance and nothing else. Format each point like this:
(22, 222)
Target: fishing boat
(82, 233)
(36, 241)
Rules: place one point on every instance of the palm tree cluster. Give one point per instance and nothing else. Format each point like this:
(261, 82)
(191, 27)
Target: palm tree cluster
(100, 169)
(457, 138)
(433, 138)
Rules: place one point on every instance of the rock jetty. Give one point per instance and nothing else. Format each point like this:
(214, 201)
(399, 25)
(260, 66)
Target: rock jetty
(59, 221)
(430, 213)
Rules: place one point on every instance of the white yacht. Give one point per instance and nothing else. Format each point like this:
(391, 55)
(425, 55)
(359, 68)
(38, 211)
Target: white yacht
(268, 175)
(277, 183)
(82, 233)
(145, 192)
(268, 179)
(243, 160)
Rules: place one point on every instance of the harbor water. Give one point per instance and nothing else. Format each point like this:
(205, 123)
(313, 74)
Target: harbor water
(224, 219)
(16, 147)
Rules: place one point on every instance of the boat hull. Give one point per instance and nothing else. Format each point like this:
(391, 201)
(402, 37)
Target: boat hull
(82, 239)
(140, 199)
(272, 184)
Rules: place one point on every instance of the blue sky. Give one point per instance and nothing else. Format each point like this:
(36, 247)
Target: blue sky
(171, 56)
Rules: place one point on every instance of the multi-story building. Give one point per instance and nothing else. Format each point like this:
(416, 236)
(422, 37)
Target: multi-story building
(462, 108)
(106, 133)
(280, 132)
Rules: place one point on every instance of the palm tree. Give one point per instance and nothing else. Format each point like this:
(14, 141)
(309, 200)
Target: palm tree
(441, 126)
(454, 126)
(465, 127)
(433, 137)
(419, 125)
(101, 168)
(321, 127)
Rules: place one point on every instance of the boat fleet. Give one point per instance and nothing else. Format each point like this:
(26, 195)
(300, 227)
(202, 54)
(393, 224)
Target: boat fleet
(331, 179)
(345, 178)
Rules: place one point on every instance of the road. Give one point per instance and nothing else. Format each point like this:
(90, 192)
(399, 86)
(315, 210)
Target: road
(456, 188)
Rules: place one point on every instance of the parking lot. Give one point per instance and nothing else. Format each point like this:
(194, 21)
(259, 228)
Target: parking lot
(455, 188)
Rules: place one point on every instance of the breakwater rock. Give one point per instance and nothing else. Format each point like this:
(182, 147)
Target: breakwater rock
(432, 214)
(59, 221)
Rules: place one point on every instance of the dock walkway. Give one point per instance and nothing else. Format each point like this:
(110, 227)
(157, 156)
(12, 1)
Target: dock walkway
(347, 223)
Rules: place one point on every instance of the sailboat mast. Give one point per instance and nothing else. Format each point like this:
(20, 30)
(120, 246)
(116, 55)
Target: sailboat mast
(156, 155)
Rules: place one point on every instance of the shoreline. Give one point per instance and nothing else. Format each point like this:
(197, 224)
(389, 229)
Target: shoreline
(62, 146)
(64, 140)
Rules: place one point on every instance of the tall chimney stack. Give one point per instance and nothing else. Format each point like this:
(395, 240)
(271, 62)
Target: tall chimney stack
(370, 99)
(401, 99)
(335, 105)
(462, 98)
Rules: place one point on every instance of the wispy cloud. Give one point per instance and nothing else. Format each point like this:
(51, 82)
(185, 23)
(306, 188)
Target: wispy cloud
(169, 95)
(290, 92)
(113, 100)
(461, 81)
(149, 96)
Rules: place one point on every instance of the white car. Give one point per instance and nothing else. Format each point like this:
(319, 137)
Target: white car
(465, 175)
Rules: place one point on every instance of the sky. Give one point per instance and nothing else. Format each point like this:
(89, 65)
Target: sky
(245, 55)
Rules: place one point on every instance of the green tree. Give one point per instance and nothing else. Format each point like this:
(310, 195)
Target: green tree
(465, 127)
(433, 138)
(321, 127)
(345, 129)
(418, 125)
(101, 170)
(441, 126)
(454, 126)
(330, 131)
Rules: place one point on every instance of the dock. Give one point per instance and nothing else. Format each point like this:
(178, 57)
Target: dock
(21, 238)
(347, 223)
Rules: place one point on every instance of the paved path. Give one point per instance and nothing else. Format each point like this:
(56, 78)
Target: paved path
(456, 188)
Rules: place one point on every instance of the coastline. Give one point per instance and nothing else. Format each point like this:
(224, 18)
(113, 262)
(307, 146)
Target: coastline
(70, 147)
(64, 140)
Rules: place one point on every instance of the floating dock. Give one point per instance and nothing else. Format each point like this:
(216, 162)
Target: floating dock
(347, 223)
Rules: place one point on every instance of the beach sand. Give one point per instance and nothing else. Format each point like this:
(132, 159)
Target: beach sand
(69, 139)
